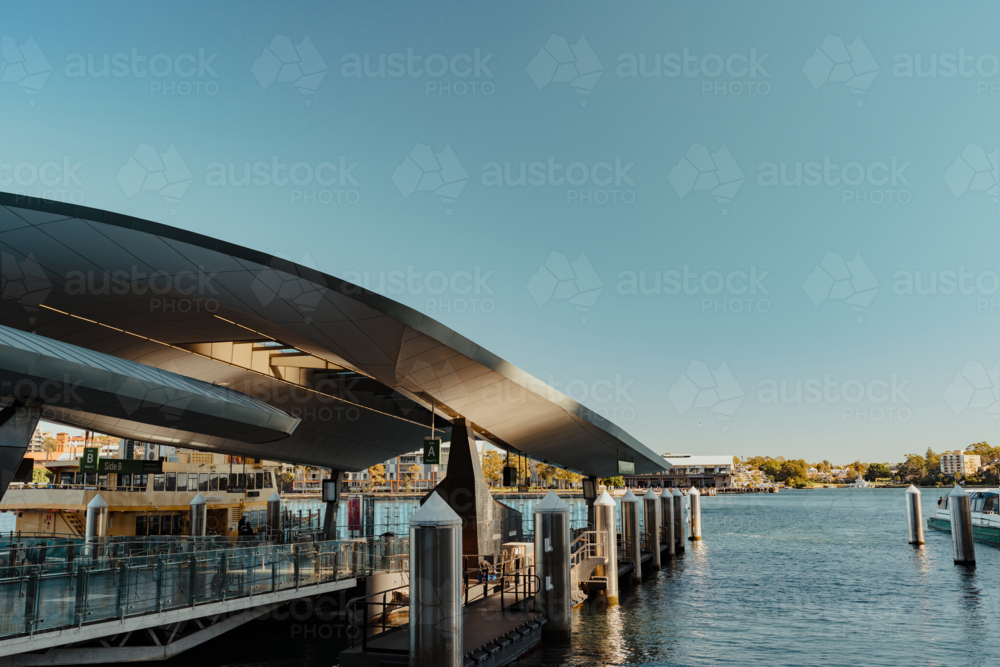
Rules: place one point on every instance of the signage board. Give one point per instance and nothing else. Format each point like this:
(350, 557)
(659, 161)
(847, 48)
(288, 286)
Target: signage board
(129, 467)
(432, 450)
(626, 467)
(91, 455)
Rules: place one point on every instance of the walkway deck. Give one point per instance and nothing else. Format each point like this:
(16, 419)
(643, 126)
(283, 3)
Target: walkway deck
(493, 635)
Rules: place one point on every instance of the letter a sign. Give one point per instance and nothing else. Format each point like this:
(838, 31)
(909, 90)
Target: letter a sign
(89, 461)
(432, 450)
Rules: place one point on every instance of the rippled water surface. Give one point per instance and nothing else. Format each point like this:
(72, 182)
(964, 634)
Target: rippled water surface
(820, 577)
(800, 578)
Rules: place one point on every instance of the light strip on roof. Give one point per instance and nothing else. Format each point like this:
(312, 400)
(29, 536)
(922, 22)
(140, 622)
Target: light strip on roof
(243, 368)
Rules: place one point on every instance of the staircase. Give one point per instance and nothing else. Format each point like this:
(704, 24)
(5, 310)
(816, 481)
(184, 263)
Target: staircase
(587, 554)
(75, 520)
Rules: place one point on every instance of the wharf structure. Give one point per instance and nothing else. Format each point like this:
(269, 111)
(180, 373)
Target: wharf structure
(157, 334)
(715, 472)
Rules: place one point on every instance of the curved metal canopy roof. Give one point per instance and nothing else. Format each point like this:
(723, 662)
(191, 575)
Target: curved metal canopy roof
(361, 371)
(68, 379)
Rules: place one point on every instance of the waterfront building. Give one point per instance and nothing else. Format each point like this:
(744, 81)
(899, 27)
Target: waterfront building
(959, 462)
(690, 470)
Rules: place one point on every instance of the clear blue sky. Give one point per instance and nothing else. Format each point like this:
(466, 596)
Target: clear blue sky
(779, 86)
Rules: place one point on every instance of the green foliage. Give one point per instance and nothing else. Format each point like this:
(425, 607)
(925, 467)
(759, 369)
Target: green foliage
(771, 468)
(376, 474)
(285, 480)
(913, 469)
(987, 454)
(615, 482)
(877, 471)
(41, 476)
(792, 470)
(493, 467)
(546, 472)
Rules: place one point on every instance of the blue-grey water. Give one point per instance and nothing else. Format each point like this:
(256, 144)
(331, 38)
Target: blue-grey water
(821, 577)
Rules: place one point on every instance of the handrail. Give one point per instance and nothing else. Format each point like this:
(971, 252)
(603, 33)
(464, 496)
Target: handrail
(150, 584)
(387, 609)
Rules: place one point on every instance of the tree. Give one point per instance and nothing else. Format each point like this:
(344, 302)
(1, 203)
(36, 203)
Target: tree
(492, 464)
(49, 446)
(793, 470)
(286, 481)
(41, 476)
(411, 474)
(570, 478)
(546, 472)
(614, 482)
(877, 471)
(771, 468)
(933, 461)
(376, 475)
(913, 468)
(987, 454)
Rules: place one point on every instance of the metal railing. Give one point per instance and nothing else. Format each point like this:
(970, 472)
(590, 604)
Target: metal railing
(362, 626)
(511, 571)
(101, 585)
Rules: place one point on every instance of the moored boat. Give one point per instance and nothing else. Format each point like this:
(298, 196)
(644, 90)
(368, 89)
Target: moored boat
(147, 498)
(985, 506)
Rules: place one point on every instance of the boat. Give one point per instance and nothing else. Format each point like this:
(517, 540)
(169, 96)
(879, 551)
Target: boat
(985, 506)
(146, 498)
(861, 483)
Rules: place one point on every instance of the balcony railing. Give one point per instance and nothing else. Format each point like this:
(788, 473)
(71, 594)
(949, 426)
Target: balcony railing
(53, 587)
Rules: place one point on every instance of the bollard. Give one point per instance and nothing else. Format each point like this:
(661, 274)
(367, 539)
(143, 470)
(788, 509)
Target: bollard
(552, 556)
(199, 516)
(651, 525)
(274, 517)
(96, 526)
(678, 520)
(630, 534)
(606, 526)
(961, 526)
(914, 516)
(695, 499)
(436, 585)
(667, 517)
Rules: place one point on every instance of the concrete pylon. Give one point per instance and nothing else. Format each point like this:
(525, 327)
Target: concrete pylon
(630, 534)
(606, 526)
(436, 629)
(552, 556)
(694, 498)
(96, 526)
(667, 519)
(332, 507)
(679, 524)
(962, 542)
(274, 517)
(651, 525)
(914, 516)
(199, 516)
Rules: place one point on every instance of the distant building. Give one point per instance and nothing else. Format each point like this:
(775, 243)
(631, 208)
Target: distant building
(688, 470)
(959, 462)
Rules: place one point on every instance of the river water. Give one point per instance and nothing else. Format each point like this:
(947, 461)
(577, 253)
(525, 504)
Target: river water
(819, 577)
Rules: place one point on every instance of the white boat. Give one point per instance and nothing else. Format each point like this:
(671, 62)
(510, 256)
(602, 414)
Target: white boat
(985, 506)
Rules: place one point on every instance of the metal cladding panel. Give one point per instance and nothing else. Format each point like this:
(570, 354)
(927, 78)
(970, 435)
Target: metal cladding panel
(406, 351)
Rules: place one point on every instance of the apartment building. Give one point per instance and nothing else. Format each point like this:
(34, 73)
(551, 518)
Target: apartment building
(959, 462)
